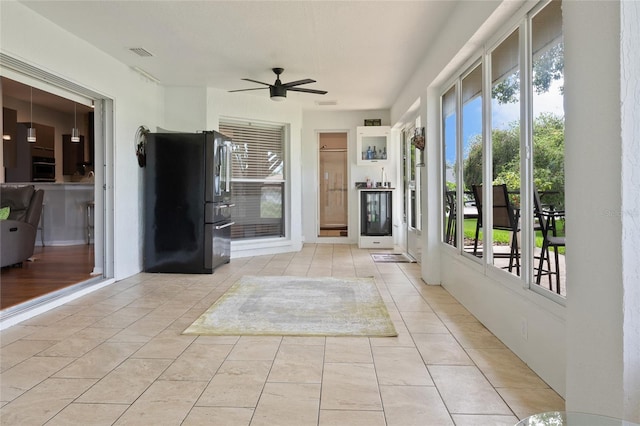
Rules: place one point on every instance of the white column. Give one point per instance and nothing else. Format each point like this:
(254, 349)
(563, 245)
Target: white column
(630, 212)
(431, 188)
(603, 207)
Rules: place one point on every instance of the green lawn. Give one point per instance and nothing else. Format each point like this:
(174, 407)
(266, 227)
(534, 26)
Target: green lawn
(503, 237)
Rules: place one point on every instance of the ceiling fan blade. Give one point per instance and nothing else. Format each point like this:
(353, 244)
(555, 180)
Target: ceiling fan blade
(299, 89)
(298, 82)
(244, 90)
(256, 81)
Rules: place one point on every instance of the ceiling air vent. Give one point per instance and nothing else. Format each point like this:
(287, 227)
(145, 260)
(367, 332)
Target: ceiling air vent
(140, 51)
(326, 103)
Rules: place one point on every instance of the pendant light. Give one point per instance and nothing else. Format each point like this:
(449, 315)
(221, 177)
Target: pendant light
(75, 136)
(31, 131)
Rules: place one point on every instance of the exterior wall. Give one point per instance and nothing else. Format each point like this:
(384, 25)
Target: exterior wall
(32, 39)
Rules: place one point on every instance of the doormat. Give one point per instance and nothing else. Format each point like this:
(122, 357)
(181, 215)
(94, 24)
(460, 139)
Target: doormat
(391, 258)
(297, 306)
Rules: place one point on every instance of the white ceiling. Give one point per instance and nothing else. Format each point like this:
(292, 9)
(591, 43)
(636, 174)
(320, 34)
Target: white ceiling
(361, 52)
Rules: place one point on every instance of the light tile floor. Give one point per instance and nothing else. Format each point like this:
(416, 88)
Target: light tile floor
(117, 356)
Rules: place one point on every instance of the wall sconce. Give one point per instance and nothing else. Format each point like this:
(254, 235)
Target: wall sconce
(31, 131)
(75, 135)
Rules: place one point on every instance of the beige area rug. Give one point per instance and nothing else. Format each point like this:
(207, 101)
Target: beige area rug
(297, 306)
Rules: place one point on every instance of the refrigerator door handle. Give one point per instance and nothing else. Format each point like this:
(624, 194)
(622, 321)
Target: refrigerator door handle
(227, 152)
(224, 206)
(226, 225)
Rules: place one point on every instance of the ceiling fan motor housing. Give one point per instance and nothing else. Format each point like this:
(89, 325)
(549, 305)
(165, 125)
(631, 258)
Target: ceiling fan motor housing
(278, 92)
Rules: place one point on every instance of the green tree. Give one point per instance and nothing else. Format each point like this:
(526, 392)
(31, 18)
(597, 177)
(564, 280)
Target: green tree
(548, 157)
(547, 68)
(472, 170)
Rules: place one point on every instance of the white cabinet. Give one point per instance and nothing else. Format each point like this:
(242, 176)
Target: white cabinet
(372, 145)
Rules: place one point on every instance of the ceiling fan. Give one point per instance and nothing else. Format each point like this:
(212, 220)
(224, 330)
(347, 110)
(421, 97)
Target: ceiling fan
(278, 90)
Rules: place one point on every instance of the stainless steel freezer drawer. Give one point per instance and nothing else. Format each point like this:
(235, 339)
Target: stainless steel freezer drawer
(218, 246)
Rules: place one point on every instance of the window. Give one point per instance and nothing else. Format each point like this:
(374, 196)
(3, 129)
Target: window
(258, 179)
(505, 154)
(450, 168)
(524, 113)
(472, 157)
(416, 163)
(547, 62)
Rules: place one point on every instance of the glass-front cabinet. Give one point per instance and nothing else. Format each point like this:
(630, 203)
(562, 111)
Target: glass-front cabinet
(376, 218)
(372, 144)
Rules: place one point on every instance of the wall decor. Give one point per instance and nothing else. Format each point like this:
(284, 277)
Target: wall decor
(418, 138)
(372, 122)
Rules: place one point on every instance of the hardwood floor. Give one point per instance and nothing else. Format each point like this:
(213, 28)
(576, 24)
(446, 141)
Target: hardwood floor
(53, 268)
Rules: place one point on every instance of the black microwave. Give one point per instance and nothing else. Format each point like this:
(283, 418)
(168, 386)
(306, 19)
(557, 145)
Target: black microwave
(43, 169)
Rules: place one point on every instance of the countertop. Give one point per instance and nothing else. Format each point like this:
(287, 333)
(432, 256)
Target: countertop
(54, 186)
(47, 183)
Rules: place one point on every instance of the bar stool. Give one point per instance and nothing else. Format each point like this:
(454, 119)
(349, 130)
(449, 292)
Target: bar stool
(41, 225)
(90, 209)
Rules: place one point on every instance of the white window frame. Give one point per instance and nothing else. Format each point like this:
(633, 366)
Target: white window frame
(522, 22)
(286, 199)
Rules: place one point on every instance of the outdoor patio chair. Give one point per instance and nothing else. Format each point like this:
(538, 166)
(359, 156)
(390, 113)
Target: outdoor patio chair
(505, 217)
(546, 223)
(450, 230)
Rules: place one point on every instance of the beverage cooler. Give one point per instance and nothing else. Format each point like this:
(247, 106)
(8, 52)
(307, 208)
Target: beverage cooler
(376, 224)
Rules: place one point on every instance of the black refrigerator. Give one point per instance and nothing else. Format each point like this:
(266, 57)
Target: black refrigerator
(187, 202)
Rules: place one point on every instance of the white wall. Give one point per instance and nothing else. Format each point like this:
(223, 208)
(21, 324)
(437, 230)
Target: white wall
(30, 38)
(339, 121)
(185, 109)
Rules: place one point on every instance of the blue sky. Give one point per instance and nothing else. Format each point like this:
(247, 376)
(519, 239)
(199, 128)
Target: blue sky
(502, 116)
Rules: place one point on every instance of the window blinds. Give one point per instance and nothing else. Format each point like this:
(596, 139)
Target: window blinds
(258, 150)
(257, 183)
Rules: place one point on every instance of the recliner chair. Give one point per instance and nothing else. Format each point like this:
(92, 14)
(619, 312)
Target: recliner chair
(18, 231)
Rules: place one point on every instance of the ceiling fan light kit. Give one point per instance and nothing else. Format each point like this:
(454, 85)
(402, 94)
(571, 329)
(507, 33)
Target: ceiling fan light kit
(278, 90)
(277, 93)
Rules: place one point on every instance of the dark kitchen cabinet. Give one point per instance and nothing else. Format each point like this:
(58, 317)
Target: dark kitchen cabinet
(25, 151)
(44, 146)
(9, 136)
(72, 155)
